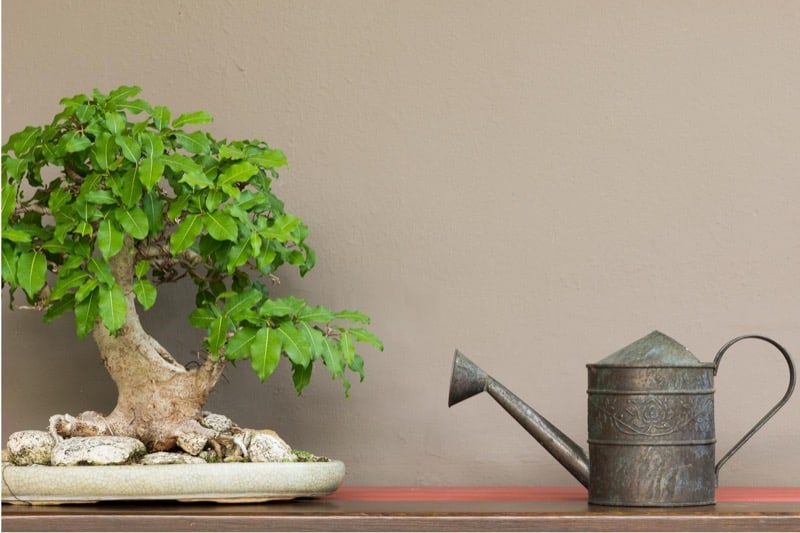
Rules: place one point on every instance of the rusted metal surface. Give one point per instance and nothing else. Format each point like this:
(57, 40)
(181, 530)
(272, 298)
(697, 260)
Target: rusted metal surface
(650, 420)
(651, 426)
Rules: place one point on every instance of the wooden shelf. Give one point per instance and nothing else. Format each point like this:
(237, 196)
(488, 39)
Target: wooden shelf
(424, 508)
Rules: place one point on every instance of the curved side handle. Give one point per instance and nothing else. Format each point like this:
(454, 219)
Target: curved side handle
(771, 413)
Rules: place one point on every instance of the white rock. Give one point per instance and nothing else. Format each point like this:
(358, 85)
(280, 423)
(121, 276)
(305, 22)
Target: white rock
(192, 443)
(219, 423)
(30, 447)
(96, 451)
(267, 448)
(169, 458)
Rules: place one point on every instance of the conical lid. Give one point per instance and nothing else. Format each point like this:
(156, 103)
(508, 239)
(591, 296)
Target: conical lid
(655, 349)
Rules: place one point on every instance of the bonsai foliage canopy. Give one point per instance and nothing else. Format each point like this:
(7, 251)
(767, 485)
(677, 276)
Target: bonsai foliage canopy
(115, 197)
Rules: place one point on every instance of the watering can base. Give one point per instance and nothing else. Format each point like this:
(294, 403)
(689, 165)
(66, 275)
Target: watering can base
(652, 476)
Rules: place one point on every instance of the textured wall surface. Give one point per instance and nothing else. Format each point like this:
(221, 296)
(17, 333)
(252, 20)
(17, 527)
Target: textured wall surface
(536, 183)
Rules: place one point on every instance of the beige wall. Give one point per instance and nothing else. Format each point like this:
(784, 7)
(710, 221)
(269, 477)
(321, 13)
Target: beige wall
(537, 183)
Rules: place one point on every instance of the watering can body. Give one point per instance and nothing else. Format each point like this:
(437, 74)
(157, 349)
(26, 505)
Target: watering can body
(650, 423)
(651, 426)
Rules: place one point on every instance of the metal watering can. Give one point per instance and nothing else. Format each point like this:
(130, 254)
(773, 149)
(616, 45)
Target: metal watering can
(651, 423)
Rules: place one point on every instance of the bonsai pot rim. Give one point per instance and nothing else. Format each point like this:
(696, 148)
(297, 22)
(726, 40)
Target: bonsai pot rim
(212, 482)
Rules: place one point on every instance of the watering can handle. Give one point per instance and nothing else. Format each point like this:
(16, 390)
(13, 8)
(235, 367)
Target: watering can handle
(760, 424)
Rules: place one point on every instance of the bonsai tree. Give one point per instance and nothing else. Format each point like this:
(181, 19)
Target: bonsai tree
(114, 198)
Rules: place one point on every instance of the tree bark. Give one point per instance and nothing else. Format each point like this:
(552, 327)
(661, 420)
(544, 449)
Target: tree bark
(159, 401)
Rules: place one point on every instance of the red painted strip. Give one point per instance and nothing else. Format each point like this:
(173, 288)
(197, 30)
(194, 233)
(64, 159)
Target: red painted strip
(439, 494)
(534, 494)
(758, 494)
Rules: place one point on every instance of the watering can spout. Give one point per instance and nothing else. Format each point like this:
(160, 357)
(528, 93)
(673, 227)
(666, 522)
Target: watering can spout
(468, 380)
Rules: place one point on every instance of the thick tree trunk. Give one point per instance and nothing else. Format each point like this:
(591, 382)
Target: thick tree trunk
(159, 400)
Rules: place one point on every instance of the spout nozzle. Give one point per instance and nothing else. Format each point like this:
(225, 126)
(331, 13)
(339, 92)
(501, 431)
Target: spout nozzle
(466, 381)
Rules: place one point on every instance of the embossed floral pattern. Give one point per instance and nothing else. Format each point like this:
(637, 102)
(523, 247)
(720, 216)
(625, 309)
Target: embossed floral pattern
(649, 415)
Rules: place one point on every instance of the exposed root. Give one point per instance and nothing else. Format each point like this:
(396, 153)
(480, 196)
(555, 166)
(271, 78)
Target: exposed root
(86, 424)
(194, 437)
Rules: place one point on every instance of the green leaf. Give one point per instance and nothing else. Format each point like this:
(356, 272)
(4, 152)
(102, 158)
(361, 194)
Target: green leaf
(311, 260)
(58, 199)
(282, 228)
(115, 122)
(112, 307)
(185, 233)
(150, 171)
(151, 144)
(217, 333)
(94, 128)
(59, 307)
(181, 163)
(357, 365)
(269, 159)
(24, 140)
(196, 178)
(145, 292)
(136, 106)
(80, 252)
(131, 189)
(84, 228)
(16, 235)
(301, 376)
(315, 314)
(362, 335)
(238, 256)
(142, 267)
(14, 168)
(73, 101)
(104, 151)
(265, 353)
(255, 244)
(85, 113)
(101, 197)
(241, 304)
(202, 318)
(77, 143)
(352, 316)
(101, 269)
(198, 117)
(91, 182)
(130, 148)
(196, 143)
(314, 338)
(177, 206)
(86, 288)
(239, 344)
(227, 151)
(133, 221)
(347, 348)
(294, 344)
(332, 357)
(31, 272)
(221, 226)
(122, 93)
(9, 264)
(153, 207)
(279, 308)
(161, 116)
(214, 199)
(237, 173)
(265, 261)
(86, 313)
(9, 200)
(109, 238)
(65, 283)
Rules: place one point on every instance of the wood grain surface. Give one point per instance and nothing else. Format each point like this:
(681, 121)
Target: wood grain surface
(424, 509)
